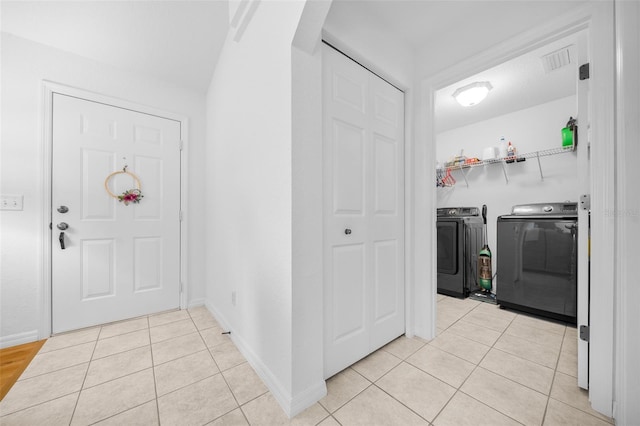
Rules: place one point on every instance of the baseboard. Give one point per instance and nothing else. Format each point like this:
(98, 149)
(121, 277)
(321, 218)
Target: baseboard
(307, 398)
(195, 303)
(18, 339)
(291, 405)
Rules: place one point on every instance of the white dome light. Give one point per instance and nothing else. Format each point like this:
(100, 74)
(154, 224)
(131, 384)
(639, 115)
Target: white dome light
(472, 94)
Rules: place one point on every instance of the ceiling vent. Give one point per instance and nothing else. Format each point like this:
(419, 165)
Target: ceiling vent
(554, 60)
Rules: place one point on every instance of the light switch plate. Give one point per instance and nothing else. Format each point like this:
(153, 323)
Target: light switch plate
(11, 202)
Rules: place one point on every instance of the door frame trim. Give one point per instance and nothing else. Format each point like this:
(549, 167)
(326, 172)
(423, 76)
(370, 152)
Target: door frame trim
(48, 89)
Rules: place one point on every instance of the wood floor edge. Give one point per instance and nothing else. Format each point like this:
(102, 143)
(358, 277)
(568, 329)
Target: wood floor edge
(13, 361)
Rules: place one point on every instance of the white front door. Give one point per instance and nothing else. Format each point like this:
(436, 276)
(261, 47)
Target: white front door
(113, 261)
(363, 211)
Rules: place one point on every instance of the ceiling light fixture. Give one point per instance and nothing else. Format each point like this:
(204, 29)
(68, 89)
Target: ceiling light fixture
(472, 94)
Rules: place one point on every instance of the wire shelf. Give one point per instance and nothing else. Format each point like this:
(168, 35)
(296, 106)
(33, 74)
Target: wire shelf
(506, 160)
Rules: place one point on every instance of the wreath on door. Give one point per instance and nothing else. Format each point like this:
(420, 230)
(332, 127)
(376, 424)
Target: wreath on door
(133, 195)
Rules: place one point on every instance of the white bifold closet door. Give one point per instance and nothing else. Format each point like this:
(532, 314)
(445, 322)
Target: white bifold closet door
(364, 283)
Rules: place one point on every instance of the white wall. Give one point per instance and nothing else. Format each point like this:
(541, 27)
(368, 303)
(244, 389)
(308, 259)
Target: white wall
(307, 195)
(381, 51)
(529, 130)
(264, 212)
(627, 214)
(24, 65)
(249, 193)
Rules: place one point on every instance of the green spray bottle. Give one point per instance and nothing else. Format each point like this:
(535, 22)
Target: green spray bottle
(484, 258)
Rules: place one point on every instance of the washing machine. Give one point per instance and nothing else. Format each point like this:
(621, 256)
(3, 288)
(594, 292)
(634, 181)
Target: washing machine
(537, 260)
(459, 242)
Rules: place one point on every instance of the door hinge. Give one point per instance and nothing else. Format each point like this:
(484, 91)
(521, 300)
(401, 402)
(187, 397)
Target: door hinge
(181, 286)
(584, 333)
(585, 201)
(180, 216)
(583, 71)
(181, 145)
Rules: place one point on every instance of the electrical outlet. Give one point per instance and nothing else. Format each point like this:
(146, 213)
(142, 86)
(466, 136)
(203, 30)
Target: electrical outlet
(233, 298)
(11, 202)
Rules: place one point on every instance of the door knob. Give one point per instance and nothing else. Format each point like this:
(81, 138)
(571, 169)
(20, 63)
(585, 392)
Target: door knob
(62, 226)
(347, 231)
(63, 209)
(61, 239)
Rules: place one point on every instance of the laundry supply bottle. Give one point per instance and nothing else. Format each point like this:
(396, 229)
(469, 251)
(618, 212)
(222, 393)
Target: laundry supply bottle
(511, 153)
(502, 148)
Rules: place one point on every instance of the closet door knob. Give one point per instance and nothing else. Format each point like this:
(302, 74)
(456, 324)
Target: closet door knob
(347, 231)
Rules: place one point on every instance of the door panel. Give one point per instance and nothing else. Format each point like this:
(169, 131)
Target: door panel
(97, 268)
(349, 89)
(349, 292)
(386, 275)
(348, 168)
(119, 261)
(386, 175)
(95, 166)
(147, 259)
(364, 211)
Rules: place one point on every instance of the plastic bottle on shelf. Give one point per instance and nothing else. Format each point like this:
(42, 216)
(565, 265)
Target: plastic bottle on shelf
(502, 148)
(511, 153)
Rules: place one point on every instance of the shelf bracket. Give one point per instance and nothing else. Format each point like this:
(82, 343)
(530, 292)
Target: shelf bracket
(539, 165)
(464, 175)
(504, 170)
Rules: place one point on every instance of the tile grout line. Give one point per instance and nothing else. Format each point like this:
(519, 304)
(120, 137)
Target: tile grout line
(459, 388)
(84, 379)
(149, 345)
(153, 367)
(37, 405)
(95, 341)
(352, 398)
(238, 406)
(555, 370)
(403, 361)
(111, 380)
(56, 370)
(553, 382)
(375, 383)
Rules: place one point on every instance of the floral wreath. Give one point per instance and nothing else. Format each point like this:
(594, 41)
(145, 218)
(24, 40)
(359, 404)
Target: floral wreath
(130, 196)
(133, 195)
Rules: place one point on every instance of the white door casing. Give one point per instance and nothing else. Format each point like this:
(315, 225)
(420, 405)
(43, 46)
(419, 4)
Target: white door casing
(363, 119)
(582, 96)
(119, 261)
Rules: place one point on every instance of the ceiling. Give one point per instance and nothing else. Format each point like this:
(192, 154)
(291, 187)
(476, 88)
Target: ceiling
(517, 84)
(426, 22)
(179, 41)
(174, 41)
(443, 33)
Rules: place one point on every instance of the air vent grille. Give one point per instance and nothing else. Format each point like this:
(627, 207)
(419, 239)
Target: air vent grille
(555, 60)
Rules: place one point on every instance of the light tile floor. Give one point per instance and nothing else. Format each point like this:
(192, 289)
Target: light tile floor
(486, 367)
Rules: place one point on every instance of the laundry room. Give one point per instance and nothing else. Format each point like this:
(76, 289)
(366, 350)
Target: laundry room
(524, 143)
